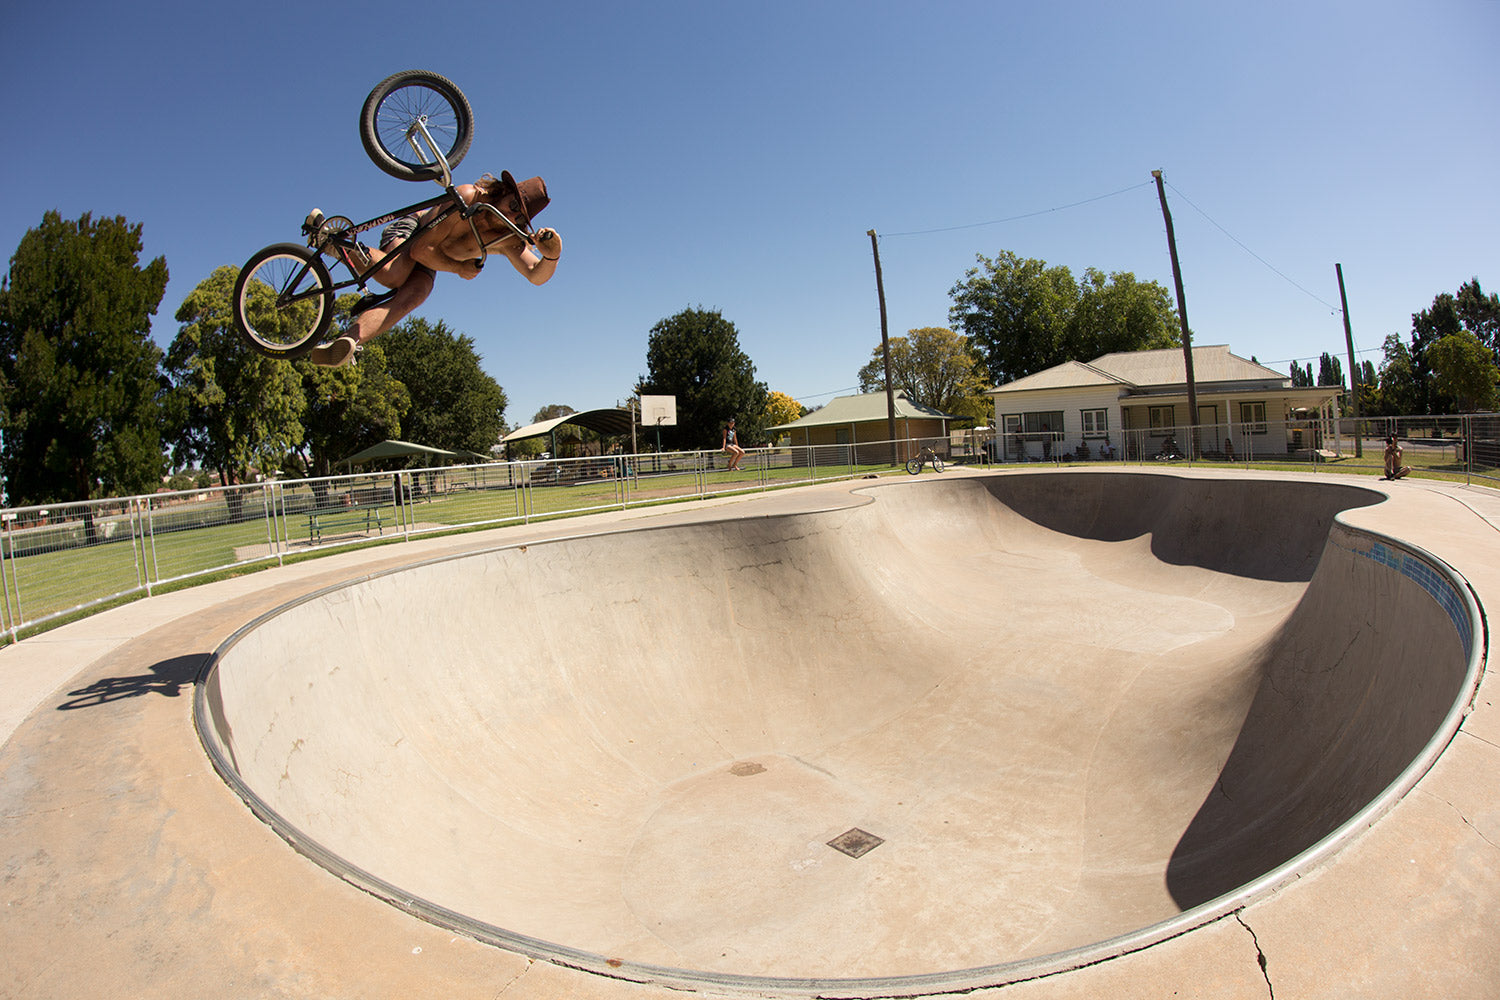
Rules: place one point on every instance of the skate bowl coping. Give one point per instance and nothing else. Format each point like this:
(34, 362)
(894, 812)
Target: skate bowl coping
(1077, 713)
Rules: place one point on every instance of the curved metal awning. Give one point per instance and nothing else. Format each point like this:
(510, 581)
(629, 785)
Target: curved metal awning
(612, 420)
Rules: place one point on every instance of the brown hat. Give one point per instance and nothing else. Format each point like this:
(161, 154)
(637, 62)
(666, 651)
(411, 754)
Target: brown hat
(521, 201)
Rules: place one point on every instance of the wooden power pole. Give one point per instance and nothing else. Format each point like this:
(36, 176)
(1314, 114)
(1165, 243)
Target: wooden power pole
(1359, 441)
(1187, 337)
(885, 348)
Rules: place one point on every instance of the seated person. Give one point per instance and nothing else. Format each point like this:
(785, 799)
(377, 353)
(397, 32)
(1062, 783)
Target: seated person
(448, 246)
(1393, 467)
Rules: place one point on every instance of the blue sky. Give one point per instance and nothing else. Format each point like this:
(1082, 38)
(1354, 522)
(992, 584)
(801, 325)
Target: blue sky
(733, 156)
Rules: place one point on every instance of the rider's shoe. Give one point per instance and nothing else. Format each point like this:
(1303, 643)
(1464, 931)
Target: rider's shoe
(311, 224)
(334, 354)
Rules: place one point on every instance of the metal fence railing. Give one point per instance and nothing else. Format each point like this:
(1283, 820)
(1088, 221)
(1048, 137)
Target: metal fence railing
(68, 558)
(1463, 448)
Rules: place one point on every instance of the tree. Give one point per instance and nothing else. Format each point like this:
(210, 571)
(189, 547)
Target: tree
(455, 405)
(695, 356)
(1399, 390)
(349, 408)
(1301, 376)
(1330, 370)
(1479, 314)
(782, 409)
(80, 380)
(1463, 369)
(1022, 316)
(236, 409)
(933, 367)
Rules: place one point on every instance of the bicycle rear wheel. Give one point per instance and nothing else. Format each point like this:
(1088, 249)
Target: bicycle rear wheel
(283, 301)
(914, 466)
(396, 104)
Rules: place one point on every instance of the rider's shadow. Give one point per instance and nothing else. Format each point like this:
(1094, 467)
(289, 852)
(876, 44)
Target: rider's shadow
(166, 678)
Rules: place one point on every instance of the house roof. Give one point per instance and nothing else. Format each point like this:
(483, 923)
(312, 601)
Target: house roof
(1144, 371)
(864, 408)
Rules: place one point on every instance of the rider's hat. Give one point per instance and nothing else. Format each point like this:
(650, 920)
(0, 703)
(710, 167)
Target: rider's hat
(522, 198)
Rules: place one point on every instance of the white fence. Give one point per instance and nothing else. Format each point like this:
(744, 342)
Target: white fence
(65, 559)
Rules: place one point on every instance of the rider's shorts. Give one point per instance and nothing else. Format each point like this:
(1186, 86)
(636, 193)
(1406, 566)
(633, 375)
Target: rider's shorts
(398, 231)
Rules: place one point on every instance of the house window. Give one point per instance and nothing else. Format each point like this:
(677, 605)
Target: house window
(1253, 418)
(1095, 423)
(1162, 420)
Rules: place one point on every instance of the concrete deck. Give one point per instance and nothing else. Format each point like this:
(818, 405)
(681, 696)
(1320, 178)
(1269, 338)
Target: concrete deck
(1124, 751)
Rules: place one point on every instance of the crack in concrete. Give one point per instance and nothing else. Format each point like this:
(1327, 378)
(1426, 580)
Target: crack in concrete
(1260, 956)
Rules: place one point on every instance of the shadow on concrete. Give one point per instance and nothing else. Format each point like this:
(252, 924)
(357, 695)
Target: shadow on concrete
(166, 678)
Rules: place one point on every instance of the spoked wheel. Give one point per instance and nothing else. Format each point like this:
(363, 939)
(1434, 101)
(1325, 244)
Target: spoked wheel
(937, 464)
(914, 466)
(395, 106)
(283, 301)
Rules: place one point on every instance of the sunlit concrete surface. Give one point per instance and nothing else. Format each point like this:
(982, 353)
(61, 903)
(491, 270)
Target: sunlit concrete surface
(1121, 733)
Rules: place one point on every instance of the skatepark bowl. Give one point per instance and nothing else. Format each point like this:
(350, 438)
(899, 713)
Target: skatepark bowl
(959, 732)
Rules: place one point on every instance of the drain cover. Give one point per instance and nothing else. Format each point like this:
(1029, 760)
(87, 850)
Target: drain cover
(856, 843)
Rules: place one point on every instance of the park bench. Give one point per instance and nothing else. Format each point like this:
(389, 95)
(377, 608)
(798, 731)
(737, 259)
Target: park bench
(366, 511)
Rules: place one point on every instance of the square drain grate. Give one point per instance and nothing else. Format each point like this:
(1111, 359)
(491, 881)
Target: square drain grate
(856, 842)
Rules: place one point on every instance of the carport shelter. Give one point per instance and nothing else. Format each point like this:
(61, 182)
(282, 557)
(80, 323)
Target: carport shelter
(391, 448)
(613, 420)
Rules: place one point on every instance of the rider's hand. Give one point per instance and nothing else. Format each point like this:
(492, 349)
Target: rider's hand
(548, 243)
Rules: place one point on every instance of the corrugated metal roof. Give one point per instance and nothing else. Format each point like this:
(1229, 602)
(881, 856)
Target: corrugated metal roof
(1212, 363)
(863, 408)
(1147, 370)
(1068, 375)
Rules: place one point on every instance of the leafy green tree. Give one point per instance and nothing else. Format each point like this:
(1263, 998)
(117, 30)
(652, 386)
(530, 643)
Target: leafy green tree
(1022, 316)
(695, 356)
(455, 405)
(1479, 314)
(933, 367)
(1120, 313)
(237, 410)
(1330, 370)
(349, 408)
(80, 380)
(1399, 389)
(1463, 369)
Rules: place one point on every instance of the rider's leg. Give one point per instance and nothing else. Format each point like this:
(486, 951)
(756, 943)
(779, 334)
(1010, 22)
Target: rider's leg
(378, 319)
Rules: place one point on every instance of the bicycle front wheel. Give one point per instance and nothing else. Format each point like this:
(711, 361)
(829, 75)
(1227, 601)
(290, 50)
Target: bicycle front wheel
(388, 122)
(937, 464)
(283, 301)
(914, 466)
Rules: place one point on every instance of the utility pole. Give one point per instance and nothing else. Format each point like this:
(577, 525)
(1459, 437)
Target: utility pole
(1187, 338)
(885, 348)
(1359, 441)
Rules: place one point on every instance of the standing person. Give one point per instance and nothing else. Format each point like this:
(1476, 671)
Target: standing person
(1393, 467)
(731, 446)
(448, 246)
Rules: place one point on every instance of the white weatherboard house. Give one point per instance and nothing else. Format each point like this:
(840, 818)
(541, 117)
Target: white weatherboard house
(1137, 401)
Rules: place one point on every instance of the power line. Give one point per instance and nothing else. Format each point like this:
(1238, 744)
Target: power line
(1018, 218)
(1332, 308)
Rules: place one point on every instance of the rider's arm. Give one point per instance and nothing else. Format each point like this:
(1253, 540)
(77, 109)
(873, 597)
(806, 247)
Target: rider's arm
(535, 267)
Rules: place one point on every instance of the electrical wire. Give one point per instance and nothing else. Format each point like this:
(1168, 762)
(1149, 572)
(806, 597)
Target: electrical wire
(1333, 308)
(1017, 218)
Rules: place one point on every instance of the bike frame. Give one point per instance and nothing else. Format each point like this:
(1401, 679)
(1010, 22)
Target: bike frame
(417, 136)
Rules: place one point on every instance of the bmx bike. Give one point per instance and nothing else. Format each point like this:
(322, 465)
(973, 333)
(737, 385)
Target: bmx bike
(924, 457)
(415, 126)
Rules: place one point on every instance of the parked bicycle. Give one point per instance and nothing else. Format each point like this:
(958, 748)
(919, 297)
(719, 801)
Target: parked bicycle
(924, 457)
(415, 126)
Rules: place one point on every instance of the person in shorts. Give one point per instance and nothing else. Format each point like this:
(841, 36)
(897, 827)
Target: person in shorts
(448, 246)
(731, 446)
